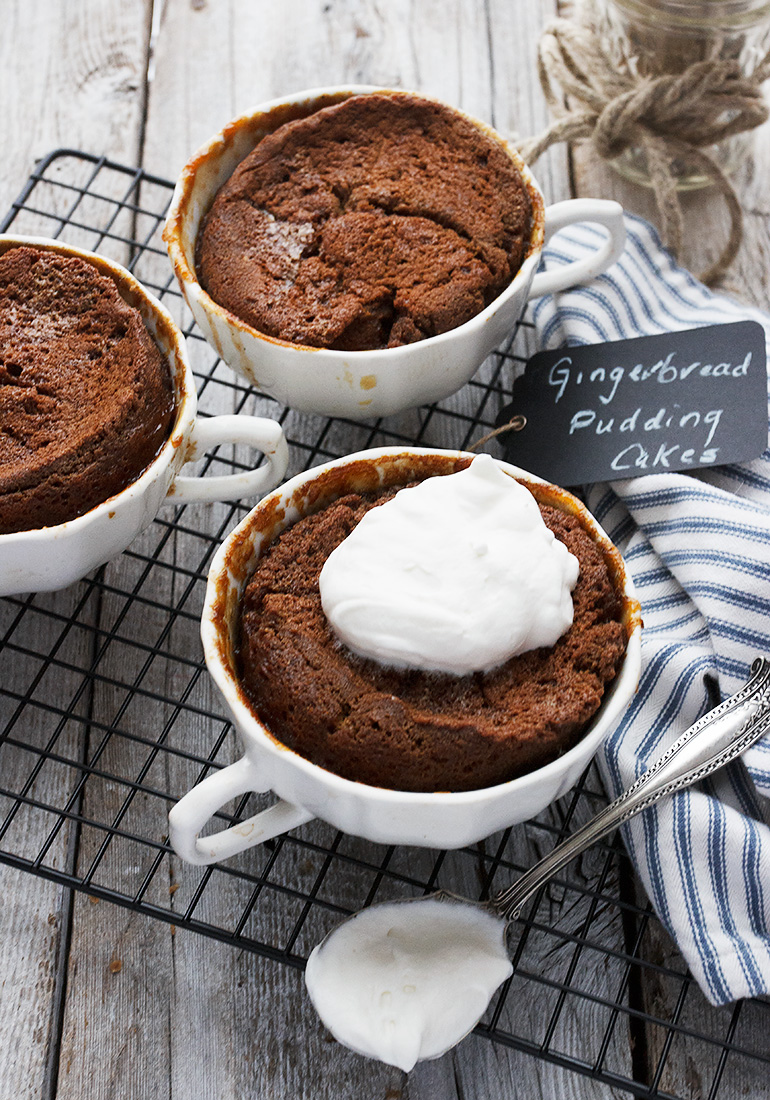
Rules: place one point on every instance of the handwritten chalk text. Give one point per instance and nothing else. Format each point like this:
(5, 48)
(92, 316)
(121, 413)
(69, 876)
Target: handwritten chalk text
(562, 375)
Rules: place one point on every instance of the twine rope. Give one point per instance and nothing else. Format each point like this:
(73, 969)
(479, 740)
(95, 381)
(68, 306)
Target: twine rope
(669, 116)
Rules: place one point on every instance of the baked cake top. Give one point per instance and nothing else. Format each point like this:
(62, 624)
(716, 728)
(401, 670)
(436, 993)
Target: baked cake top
(86, 398)
(379, 221)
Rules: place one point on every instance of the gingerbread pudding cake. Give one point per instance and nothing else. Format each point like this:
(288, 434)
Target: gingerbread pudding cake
(86, 398)
(415, 729)
(378, 221)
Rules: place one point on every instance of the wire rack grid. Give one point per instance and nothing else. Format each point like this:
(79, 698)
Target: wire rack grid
(107, 717)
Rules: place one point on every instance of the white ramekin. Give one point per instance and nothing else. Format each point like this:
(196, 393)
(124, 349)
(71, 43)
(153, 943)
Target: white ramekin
(363, 384)
(305, 791)
(53, 557)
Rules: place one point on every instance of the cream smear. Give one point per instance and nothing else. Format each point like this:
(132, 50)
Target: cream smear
(404, 981)
(456, 574)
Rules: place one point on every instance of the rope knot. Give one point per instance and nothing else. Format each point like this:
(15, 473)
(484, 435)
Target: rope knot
(617, 125)
(672, 116)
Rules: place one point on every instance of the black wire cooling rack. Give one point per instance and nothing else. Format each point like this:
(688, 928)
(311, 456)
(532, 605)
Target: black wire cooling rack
(107, 717)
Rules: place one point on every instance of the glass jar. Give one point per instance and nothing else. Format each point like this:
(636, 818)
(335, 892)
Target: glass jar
(648, 38)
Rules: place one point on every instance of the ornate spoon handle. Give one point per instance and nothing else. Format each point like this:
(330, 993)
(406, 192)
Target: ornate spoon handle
(716, 738)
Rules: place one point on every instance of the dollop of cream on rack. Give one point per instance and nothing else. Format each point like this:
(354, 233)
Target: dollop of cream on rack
(457, 574)
(405, 981)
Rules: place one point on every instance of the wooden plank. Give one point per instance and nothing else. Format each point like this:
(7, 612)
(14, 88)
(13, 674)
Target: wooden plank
(69, 75)
(72, 75)
(33, 911)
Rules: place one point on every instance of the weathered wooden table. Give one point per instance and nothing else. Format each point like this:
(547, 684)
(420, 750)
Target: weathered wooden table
(106, 716)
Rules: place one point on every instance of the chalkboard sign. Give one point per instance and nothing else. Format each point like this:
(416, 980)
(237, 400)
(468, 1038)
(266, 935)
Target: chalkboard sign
(677, 401)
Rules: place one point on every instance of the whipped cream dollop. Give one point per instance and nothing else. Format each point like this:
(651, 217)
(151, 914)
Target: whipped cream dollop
(456, 574)
(403, 981)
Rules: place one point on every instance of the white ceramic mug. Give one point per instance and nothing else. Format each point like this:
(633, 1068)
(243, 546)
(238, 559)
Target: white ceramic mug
(363, 384)
(53, 557)
(444, 820)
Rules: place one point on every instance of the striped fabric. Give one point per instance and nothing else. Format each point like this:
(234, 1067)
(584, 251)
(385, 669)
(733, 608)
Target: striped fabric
(698, 548)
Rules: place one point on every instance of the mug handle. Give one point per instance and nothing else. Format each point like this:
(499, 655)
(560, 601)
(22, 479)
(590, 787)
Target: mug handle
(188, 817)
(257, 431)
(604, 212)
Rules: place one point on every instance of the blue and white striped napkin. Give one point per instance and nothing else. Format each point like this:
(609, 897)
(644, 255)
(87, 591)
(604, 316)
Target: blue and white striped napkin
(698, 548)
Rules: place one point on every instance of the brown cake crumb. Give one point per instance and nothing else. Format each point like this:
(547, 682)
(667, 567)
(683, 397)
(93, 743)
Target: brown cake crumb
(376, 222)
(412, 730)
(86, 398)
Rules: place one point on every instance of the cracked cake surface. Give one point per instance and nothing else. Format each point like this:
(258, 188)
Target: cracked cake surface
(86, 399)
(375, 222)
(409, 729)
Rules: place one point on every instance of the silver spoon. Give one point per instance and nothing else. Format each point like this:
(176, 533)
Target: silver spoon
(364, 976)
(710, 743)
